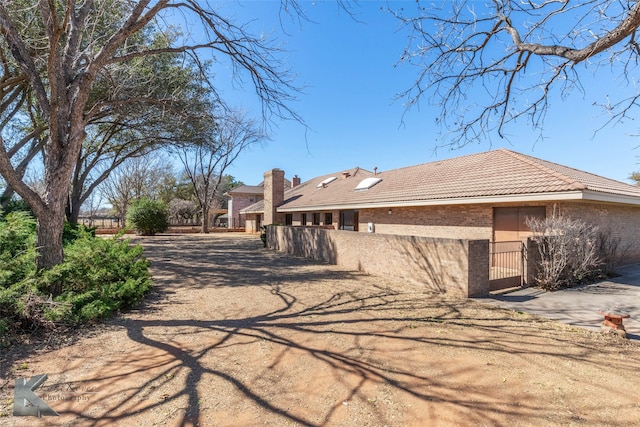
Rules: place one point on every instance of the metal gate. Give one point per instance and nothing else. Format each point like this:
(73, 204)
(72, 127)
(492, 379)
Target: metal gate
(506, 264)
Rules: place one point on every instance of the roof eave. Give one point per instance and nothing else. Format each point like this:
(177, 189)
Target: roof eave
(532, 197)
(599, 196)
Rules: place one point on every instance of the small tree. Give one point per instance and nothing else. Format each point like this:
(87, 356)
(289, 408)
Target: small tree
(148, 217)
(205, 163)
(568, 251)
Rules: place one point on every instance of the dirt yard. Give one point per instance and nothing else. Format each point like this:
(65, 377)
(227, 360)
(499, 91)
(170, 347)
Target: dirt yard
(236, 335)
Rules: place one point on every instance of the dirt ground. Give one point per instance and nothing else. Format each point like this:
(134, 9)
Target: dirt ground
(237, 335)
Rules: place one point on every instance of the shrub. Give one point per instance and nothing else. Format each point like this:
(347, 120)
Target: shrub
(611, 251)
(148, 217)
(17, 247)
(98, 276)
(568, 251)
(15, 205)
(72, 232)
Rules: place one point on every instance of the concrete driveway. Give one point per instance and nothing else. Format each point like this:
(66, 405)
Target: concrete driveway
(579, 306)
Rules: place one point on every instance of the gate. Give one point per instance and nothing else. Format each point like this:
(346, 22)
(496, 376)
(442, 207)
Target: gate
(506, 267)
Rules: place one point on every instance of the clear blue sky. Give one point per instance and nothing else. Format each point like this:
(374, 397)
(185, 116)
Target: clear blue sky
(348, 69)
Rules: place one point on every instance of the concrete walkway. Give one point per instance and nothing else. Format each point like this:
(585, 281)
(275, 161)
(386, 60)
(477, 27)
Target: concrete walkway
(579, 306)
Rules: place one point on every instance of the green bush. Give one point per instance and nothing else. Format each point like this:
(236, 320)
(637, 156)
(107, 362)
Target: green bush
(72, 232)
(15, 205)
(17, 247)
(148, 217)
(99, 276)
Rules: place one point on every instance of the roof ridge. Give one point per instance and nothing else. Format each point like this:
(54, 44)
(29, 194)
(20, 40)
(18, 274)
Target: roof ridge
(535, 162)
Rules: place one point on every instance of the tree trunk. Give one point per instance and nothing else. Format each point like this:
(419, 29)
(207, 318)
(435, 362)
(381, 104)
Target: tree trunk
(205, 220)
(49, 242)
(73, 207)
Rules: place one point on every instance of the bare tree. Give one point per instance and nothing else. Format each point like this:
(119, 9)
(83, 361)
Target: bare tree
(568, 250)
(205, 163)
(63, 49)
(135, 178)
(489, 64)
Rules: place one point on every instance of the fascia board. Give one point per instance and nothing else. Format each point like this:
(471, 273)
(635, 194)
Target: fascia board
(599, 196)
(533, 197)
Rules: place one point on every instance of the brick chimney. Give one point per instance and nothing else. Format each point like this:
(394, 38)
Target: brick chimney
(295, 181)
(273, 196)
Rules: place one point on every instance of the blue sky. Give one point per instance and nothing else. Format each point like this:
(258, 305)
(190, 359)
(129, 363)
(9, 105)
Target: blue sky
(348, 69)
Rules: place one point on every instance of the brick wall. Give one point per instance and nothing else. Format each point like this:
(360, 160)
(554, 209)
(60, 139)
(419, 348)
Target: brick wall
(239, 202)
(273, 196)
(459, 222)
(454, 266)
(621, 222)
(476, 221)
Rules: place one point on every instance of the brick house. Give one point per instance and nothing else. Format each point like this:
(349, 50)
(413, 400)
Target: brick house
(485, 196)
(246, 195)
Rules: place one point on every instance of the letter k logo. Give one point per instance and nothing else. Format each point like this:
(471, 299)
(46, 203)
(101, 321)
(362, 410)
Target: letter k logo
(25, 401)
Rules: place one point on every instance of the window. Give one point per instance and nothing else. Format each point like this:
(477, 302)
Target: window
(324, 183)
(288, 219)
(367, 183)
(349, 220)
(328, 218)
(304, 219)
(316, 218)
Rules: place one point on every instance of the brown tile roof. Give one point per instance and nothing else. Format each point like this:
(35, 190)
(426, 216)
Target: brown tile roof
(492, 174)
(254, 189)
(247, 189)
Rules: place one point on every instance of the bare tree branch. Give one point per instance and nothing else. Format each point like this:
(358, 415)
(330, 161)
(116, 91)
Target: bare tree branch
(493, 64)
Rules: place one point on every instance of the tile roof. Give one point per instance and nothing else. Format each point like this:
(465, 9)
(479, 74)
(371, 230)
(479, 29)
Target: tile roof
(254, 189)
(492, 174)
(247, 189)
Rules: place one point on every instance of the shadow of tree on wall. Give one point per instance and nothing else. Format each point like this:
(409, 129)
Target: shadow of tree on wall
(308, 242)
(363, 347)
(434, 268)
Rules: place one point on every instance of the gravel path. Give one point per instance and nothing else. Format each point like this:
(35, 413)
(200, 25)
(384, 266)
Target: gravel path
(237, 335)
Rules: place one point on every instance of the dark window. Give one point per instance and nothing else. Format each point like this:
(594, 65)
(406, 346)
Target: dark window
(288, 219)
(328, 218)
(316, 218)
(304, 219)
(349, 220)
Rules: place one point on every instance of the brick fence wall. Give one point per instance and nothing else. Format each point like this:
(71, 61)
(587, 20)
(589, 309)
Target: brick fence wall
(454, 266)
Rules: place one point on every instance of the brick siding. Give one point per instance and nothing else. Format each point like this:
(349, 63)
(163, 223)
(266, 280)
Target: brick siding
(621, 222)
(454, 266)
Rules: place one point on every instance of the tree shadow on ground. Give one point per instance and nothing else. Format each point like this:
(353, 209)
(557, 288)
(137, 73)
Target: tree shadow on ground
(360, 342)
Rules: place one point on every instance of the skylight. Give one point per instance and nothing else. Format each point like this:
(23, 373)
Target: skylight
(367, 183)
(326, 181)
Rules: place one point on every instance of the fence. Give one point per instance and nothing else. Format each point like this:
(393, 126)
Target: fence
(454, 266)
(100, 222)
(507, 264)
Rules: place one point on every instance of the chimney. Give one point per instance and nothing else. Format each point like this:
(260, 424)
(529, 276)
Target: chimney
(295, 181)
(273, 196)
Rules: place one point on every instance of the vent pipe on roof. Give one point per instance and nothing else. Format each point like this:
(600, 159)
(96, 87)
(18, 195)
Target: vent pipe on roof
(375, 170)
(346, 174)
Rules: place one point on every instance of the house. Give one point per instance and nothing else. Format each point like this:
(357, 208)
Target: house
(244, 196)
(485, 196)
